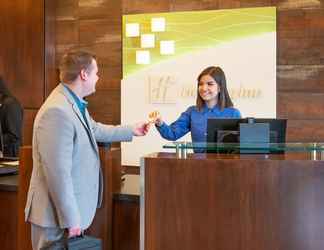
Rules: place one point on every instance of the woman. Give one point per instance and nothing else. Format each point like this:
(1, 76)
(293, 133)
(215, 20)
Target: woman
(11, 118)
(213, 101)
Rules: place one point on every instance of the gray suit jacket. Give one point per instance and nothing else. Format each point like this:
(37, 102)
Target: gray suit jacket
(65, 186)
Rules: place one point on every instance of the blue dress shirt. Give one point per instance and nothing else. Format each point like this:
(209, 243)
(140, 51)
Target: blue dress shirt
(196, 122)
(82, 104)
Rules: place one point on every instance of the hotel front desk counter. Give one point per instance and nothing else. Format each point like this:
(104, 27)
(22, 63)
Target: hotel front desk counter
(125, 213)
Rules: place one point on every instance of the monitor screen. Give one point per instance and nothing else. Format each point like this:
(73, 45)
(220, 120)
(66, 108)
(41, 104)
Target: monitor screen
(227, 130)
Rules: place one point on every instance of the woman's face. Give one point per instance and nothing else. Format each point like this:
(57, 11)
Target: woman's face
(208, 89)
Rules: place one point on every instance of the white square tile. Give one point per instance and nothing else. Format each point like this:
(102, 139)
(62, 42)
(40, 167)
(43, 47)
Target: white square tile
(143, 57)
(132, 29)
(147, 41)
(158, 24)
(167, 47)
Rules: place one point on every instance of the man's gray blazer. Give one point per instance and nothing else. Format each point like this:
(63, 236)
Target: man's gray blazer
(65, 189)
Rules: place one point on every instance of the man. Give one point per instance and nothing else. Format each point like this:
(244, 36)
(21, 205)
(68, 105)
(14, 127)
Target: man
(64, 187)
(11, 119)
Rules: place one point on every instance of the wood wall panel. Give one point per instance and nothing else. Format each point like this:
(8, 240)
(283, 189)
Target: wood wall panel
(104, 38)
(296, 105)
(300, 36)
(305, 131)
(185, 5)
(298, 4)
(67, 31)
(21, 49)
(98, 9)
(301, 51)
(145, 6)
(108, 53)
(102, 106)
(300, 78)
(27, 65)
(255, 3)
(29, 116)
(30, 50)
(8, 31)
(50, 71)
(66, 9)
(300, 23)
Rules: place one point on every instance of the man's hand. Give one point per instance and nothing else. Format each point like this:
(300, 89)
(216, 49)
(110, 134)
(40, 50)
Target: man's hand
(74, 231)
(141, 128)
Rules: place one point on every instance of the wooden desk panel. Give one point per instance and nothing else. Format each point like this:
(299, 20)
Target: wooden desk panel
(8, 220)
(234, 202)
(126, 215)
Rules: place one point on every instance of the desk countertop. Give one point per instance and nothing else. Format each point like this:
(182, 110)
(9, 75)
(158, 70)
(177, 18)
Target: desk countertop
(130, 189)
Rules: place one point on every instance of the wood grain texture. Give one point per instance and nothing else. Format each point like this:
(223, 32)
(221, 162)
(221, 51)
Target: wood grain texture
(30, 51)
(66, 10)
(25, 170)
(297, 105)
(305, 131)
(126, 225)
(233, 202)
(99, 9)
(29, 116)
(8, 221)
(102, 106)
(300, 78)
(145, 6)
(103, 37)
(50, 71)
(21, 50)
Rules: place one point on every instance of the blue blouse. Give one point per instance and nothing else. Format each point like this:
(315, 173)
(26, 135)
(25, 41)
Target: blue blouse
(196, 122)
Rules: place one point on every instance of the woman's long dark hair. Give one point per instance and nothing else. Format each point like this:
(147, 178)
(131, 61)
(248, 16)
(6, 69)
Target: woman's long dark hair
(223, 99)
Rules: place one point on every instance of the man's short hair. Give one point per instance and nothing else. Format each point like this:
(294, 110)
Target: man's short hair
(73, 62)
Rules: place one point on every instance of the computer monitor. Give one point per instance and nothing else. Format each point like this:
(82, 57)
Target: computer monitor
(227, 130)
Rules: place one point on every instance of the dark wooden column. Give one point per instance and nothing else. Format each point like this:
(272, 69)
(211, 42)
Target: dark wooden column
(25, 170)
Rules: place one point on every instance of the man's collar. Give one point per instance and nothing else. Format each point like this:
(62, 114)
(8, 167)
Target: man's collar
(76, 98)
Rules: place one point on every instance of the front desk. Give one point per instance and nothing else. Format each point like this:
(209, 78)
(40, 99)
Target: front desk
(233, 201)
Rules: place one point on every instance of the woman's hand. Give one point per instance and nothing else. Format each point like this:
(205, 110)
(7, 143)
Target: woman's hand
(155, 117)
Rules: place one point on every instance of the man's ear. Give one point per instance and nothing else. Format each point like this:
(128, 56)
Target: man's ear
(83, 74)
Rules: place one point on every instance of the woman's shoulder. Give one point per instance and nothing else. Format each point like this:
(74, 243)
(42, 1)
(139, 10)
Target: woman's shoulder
(234, 112)
(192, 108)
